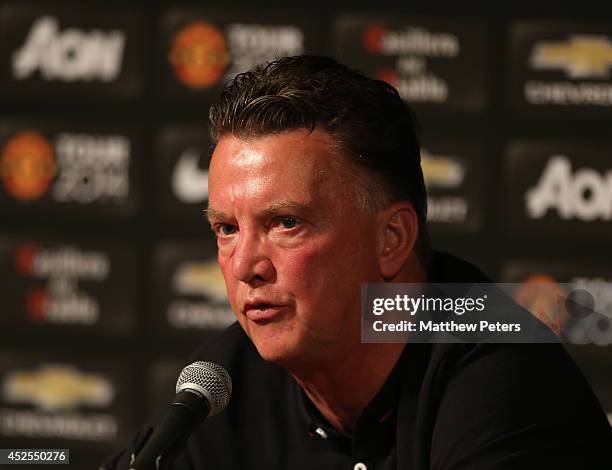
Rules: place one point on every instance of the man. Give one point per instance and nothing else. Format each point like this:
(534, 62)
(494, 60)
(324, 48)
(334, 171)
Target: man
(315, 187)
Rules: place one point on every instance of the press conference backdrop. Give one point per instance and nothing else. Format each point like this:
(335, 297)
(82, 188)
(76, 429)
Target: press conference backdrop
(108, 276)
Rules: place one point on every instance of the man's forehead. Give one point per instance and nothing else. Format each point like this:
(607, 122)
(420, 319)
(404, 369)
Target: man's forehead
(299, 168)
(302, 148)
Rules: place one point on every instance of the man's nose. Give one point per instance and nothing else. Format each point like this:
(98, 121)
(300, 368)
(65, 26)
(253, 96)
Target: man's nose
(251, 262)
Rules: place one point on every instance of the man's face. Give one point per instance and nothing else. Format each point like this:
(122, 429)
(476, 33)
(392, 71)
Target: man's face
(293, 245)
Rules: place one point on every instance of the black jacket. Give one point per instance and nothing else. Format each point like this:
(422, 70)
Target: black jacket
(445, 406)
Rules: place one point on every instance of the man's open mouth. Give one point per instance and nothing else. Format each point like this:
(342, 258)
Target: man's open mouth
(262, 306)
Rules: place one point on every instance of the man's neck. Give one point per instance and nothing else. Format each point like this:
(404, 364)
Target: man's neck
(342, 385)
(342, 391)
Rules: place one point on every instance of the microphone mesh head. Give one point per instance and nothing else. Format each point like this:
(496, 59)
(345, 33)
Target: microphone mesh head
(210, 378)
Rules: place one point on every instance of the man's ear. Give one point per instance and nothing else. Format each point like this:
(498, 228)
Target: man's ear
(398, 232)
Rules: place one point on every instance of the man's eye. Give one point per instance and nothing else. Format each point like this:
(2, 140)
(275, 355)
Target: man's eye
(289, 222)
(225, 229)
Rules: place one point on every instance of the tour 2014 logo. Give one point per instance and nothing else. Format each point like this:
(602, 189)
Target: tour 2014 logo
(66, 167)
(27, 166)
(202, 54)
(579, 193)
(199, 55)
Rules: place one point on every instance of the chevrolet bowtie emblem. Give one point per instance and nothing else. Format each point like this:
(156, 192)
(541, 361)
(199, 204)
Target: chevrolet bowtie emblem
(581, 56)
(442, 170)
(54, 387)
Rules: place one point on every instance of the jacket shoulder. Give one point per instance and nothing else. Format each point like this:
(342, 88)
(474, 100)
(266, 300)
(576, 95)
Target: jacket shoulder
(514, 406)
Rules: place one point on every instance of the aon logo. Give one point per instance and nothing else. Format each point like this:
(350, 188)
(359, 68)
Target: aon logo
(584, 195)
(69, 55)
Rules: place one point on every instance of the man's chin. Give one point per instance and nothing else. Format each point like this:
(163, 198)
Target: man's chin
(276, 343)
(275, 354)
(284, 355)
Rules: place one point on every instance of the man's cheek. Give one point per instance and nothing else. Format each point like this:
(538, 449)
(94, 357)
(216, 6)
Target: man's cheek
(316, 254)
(304, 266)
(314, 275)
(231, 292)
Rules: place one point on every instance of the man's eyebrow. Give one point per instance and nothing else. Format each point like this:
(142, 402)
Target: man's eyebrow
(214, 214)
(280, 207)
(276, 208)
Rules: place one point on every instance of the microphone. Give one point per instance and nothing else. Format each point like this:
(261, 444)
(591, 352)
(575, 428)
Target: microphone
(203, 389)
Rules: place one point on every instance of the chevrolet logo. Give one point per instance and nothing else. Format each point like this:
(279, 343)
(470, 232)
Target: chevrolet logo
(441, 171)
(54, 387)
(581, 56)
(200, 278)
